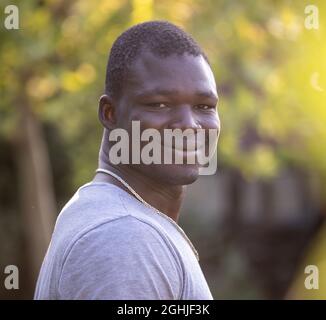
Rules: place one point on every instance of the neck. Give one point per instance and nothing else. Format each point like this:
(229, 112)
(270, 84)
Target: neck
(165, 198)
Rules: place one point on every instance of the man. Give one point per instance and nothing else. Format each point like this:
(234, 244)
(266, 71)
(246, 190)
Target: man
(118, 237)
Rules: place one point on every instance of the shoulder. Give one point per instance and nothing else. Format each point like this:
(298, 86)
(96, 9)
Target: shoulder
(124, 250)
(125, 234)
(91, 207)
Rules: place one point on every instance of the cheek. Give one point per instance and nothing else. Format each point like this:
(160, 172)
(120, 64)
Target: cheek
(149, 120)
(211, 122)
(123, 117)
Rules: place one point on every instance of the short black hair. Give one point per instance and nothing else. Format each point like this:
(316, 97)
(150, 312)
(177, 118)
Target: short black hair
(162, 38)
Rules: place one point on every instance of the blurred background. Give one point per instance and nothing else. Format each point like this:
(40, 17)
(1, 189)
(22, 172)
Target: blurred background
(259, 221)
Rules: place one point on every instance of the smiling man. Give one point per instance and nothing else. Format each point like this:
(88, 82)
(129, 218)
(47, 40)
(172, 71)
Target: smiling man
(118, 237)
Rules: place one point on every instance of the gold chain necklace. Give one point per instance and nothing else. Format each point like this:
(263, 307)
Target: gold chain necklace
(150, 206)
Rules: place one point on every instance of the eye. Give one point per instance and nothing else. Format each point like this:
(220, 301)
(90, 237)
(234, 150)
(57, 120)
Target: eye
(205, 107)
(158, 105)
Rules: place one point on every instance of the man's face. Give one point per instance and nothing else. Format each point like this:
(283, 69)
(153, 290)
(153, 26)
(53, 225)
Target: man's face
(169, 93)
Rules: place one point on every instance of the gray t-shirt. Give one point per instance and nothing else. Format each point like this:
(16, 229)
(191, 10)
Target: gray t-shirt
(108, 245)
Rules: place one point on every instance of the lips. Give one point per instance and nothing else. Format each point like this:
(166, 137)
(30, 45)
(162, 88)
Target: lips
(191, 145)
(186, 155)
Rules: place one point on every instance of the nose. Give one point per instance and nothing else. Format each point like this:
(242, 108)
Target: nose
(184, 118)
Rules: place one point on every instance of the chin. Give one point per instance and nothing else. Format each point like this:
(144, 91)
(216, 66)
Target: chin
(175, 174)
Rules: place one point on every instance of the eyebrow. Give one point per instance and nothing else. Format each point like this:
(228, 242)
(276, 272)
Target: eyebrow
(164, 92)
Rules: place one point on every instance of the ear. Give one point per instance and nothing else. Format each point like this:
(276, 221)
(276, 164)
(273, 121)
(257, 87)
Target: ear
(107, 112)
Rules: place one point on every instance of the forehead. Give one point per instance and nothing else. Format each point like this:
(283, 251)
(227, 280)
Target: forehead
(181, 73)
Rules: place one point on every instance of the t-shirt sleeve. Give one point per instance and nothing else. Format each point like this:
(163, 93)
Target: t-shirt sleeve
(124, 259)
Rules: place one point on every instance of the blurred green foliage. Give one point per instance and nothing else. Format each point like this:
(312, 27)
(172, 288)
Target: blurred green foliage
(267, 66)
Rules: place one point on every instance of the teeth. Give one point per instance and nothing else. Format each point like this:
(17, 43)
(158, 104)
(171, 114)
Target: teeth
(189, 145)
(184, 151)
(187, 149)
